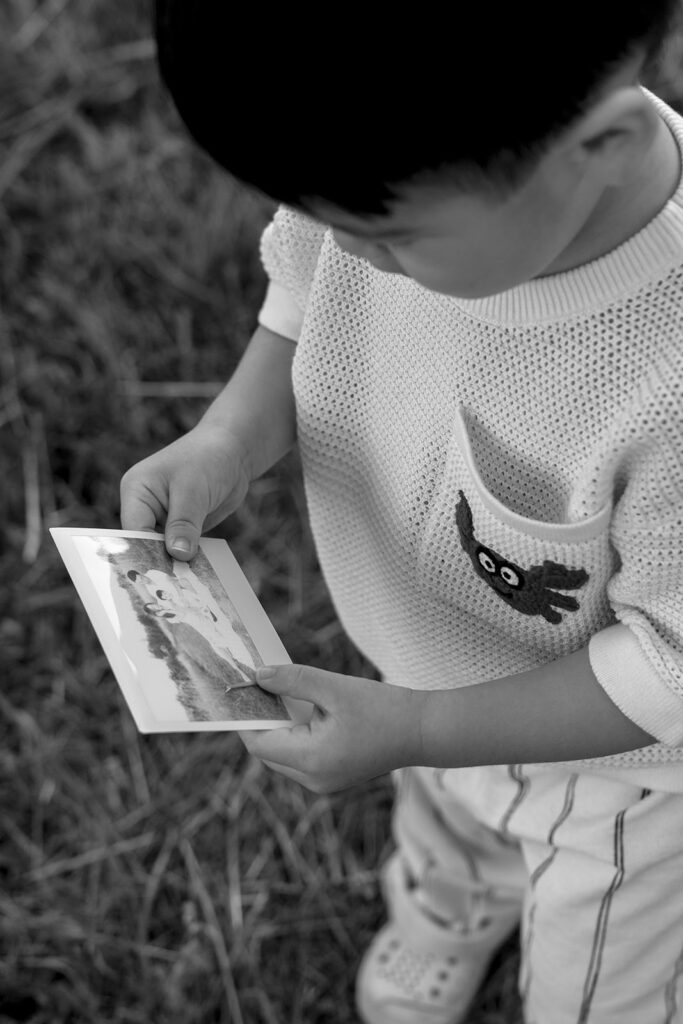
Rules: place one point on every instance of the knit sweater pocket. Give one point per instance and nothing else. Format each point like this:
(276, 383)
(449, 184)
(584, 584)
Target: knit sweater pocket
(541, 585)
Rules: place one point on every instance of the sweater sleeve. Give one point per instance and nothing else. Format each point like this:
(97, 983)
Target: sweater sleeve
(639, 660)
(290, 248)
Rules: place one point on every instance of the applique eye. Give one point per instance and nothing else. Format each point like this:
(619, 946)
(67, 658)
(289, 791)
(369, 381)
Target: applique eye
(510, 576)
(487, 562)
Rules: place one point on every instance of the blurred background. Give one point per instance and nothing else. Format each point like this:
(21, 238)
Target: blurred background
(150, 878)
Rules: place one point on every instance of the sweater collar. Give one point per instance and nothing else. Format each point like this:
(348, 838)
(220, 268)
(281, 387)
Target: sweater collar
(645, 257)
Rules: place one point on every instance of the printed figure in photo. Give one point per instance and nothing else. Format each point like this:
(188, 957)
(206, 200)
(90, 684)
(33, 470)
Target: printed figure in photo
(192, 656)
(180, 597)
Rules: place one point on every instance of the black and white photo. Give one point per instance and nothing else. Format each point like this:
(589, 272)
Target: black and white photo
(183, 639)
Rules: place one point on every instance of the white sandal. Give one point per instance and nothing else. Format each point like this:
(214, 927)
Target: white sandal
(420, 971)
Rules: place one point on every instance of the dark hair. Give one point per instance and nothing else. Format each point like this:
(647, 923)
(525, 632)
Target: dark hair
(341, 102)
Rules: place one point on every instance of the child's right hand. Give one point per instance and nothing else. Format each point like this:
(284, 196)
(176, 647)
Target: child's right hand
(187, 488)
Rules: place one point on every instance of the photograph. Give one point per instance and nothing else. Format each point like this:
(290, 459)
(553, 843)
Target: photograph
(183, 639)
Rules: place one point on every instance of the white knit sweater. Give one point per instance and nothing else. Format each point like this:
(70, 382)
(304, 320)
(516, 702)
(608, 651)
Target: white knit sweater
(495, 483)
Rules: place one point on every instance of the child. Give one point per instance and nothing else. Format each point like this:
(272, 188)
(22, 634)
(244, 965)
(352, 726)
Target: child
(474, 318)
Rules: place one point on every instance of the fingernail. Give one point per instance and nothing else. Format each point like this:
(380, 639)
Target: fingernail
(180, 544)
(265, 673)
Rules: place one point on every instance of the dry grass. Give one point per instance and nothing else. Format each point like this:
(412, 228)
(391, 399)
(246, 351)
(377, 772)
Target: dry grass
(147, 878)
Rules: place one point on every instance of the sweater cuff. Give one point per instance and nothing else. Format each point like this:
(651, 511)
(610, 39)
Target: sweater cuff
(630, 681)
(280, 313)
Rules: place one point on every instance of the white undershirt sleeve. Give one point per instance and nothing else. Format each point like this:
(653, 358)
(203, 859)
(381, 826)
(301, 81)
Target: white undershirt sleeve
(280, 313)
(630, 680)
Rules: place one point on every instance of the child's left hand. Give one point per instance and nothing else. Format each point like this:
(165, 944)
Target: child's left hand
(360, 729)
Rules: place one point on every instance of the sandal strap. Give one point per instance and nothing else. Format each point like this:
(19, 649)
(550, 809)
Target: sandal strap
(419, 867)
(498, 919)
(426, 935)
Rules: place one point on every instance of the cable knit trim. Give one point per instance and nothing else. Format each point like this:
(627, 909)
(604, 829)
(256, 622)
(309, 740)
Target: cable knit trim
(625, 674)
(280, 313)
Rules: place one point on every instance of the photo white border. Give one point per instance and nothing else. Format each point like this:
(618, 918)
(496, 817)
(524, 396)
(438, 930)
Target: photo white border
(237, 588)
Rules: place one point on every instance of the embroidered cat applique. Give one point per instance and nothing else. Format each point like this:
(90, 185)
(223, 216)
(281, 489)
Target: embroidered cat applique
(530, 591)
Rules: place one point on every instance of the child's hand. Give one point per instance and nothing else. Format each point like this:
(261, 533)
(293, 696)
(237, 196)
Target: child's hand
(360, 729)
(187, 488)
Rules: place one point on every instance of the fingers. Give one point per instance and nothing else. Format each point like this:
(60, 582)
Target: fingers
(289, 773)
(290, 750)
(278, 748)
(154, 494)
(140, 507)
(298, 681)
(185, 488)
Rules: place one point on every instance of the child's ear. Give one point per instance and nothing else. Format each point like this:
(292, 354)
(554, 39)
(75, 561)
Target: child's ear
(615, 131)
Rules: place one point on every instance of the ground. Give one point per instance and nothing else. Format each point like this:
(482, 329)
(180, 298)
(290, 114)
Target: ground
(148, 878)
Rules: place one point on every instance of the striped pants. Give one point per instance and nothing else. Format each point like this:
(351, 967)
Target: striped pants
(597, 865)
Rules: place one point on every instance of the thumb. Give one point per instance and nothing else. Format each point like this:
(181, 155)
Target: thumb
(184, 523)
(298, 681)
(182, 538)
